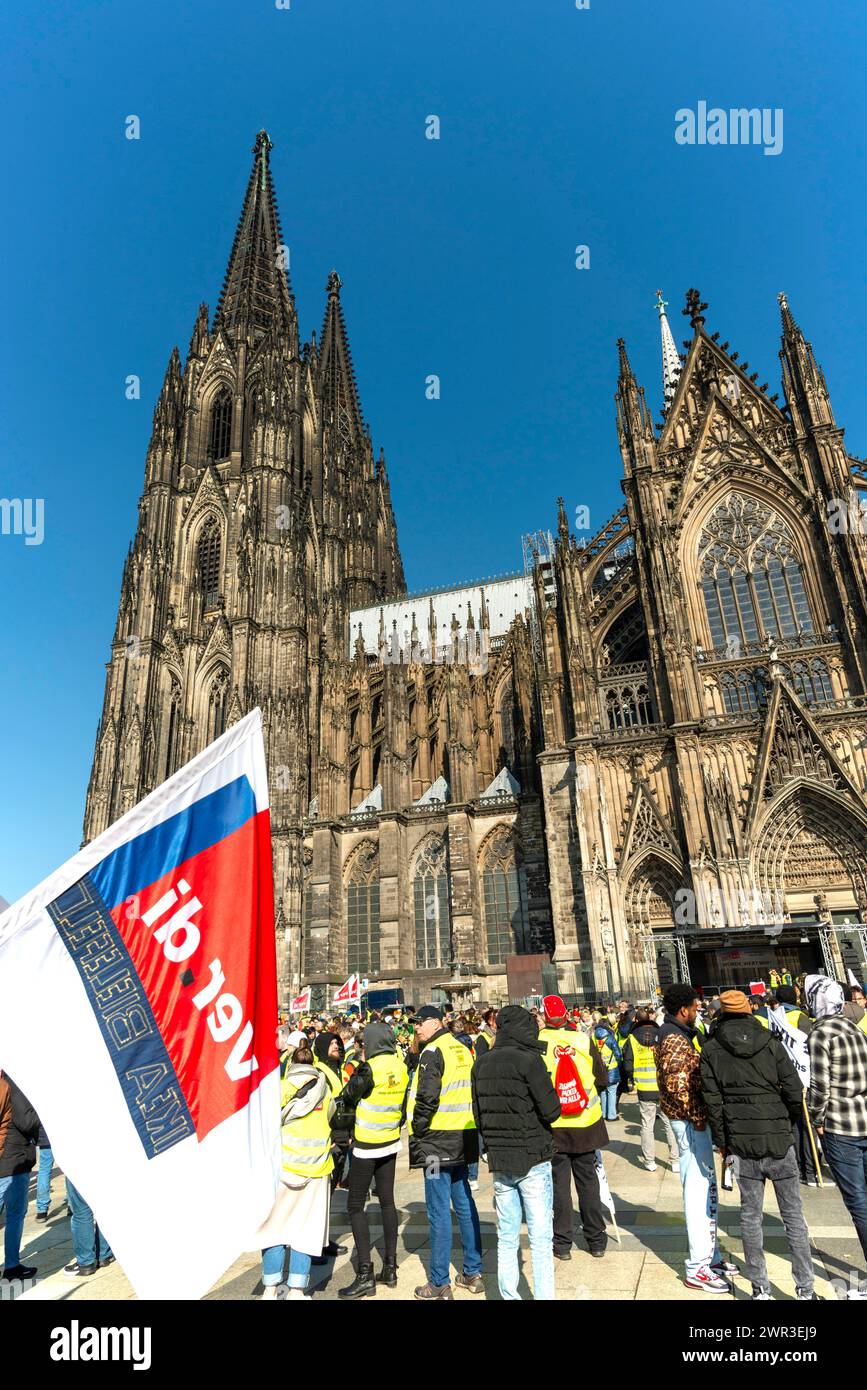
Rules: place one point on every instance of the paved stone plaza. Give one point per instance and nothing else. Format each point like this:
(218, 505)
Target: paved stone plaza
(647, 1264)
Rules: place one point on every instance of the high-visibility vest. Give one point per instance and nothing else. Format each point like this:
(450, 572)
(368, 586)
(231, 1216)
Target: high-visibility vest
(377, 1116)
(307, 1142)
(643, 1066)
(862, 1023)
(762, 1020)
(607, 1053)
(455, 1109)
(334, 1081)
(579, 1045)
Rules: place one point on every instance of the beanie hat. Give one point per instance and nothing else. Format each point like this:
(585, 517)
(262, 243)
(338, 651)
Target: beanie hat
(555, 1009)
(734, 1001)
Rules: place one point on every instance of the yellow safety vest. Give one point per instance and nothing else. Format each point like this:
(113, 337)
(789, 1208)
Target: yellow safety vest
(579, 1045)
(607, 1053)
(643, 1066)
(377, 1116)
(307, 1142)
(862, 1023)
(335, 1082)
(762, 1020)
(455, 1109)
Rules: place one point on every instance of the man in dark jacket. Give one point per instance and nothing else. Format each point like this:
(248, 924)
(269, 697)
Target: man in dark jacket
(16, 1160)
(753, 1098)
(515, 1105)
(443, 1140)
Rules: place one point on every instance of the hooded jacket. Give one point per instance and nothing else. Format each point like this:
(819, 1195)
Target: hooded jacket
(514, 1101)
(379, 1041)
(342, 1119)
(752, 1092)
(645, 1035)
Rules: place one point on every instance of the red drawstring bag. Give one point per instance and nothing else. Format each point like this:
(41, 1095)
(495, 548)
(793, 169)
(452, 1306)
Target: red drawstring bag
(567, 1083)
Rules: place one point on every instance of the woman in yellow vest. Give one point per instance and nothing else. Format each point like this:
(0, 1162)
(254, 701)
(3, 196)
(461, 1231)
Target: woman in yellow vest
(377, 1091)
(299, 1217)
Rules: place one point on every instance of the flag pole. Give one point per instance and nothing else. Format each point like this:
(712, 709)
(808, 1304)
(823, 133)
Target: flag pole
(812, 1138)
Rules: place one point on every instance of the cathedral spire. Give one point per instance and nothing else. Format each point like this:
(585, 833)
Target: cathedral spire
(337, 377)
(803, 379)
(256, 293)
(634, 426)
(671, 365)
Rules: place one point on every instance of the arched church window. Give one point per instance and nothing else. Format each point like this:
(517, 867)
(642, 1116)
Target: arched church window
(811, 682)
(750, 575)
(430, 888)
(218, 702)
(362, 912)
(220, 439)
(504, 899)
(507, 727)
(208, 561)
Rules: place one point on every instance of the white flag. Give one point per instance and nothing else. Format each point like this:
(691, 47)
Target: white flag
(138, 1014)
(605, 1192)
(793, 1040)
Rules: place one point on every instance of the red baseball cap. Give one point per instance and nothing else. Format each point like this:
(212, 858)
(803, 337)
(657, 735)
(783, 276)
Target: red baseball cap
(554, 1007)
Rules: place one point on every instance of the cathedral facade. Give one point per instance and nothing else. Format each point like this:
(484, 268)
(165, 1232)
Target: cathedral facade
(635, 759)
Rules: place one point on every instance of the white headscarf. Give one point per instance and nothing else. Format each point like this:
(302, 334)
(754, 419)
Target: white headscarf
(824, 996)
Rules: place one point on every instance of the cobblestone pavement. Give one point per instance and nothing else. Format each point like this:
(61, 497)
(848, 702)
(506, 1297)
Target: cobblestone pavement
(646, 1264)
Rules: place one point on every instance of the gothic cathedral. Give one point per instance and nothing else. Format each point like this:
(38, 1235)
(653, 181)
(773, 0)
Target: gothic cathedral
(640, 757)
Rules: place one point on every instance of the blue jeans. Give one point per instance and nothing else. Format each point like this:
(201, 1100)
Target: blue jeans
(43, 1180)
(14, 1194)
(450, 1188)
(473, 1172)
(532, 1195)
(273, 1258)
(847, 1159)
(609, 1101)
(85, 1235)
(700, 1195)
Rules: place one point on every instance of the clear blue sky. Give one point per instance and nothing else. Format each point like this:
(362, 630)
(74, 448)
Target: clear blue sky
(457, 258)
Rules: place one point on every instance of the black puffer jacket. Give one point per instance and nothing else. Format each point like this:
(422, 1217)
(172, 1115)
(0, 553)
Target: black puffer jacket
(752, 1091)
(514, 1101)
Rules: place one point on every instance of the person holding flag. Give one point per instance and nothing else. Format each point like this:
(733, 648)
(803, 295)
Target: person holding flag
(579, 1075)
(792, 1026)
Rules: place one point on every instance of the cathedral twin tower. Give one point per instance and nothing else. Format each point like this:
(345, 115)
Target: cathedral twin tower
(435, 820)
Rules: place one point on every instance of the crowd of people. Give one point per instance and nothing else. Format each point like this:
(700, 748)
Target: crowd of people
(532, 1092)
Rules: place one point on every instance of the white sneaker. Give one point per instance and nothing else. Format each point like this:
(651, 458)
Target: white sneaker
(296, 1294)
(858, 1294)
(650, 1167)
(474, 1186)
(762, 1297)
(704, 1278)
(270, 1292)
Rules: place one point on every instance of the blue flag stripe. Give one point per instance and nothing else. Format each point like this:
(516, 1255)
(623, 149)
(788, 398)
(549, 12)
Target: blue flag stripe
(140, 862)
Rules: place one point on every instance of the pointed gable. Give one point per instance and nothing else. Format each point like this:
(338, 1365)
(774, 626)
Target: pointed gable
(647, 827)
(793, 749)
